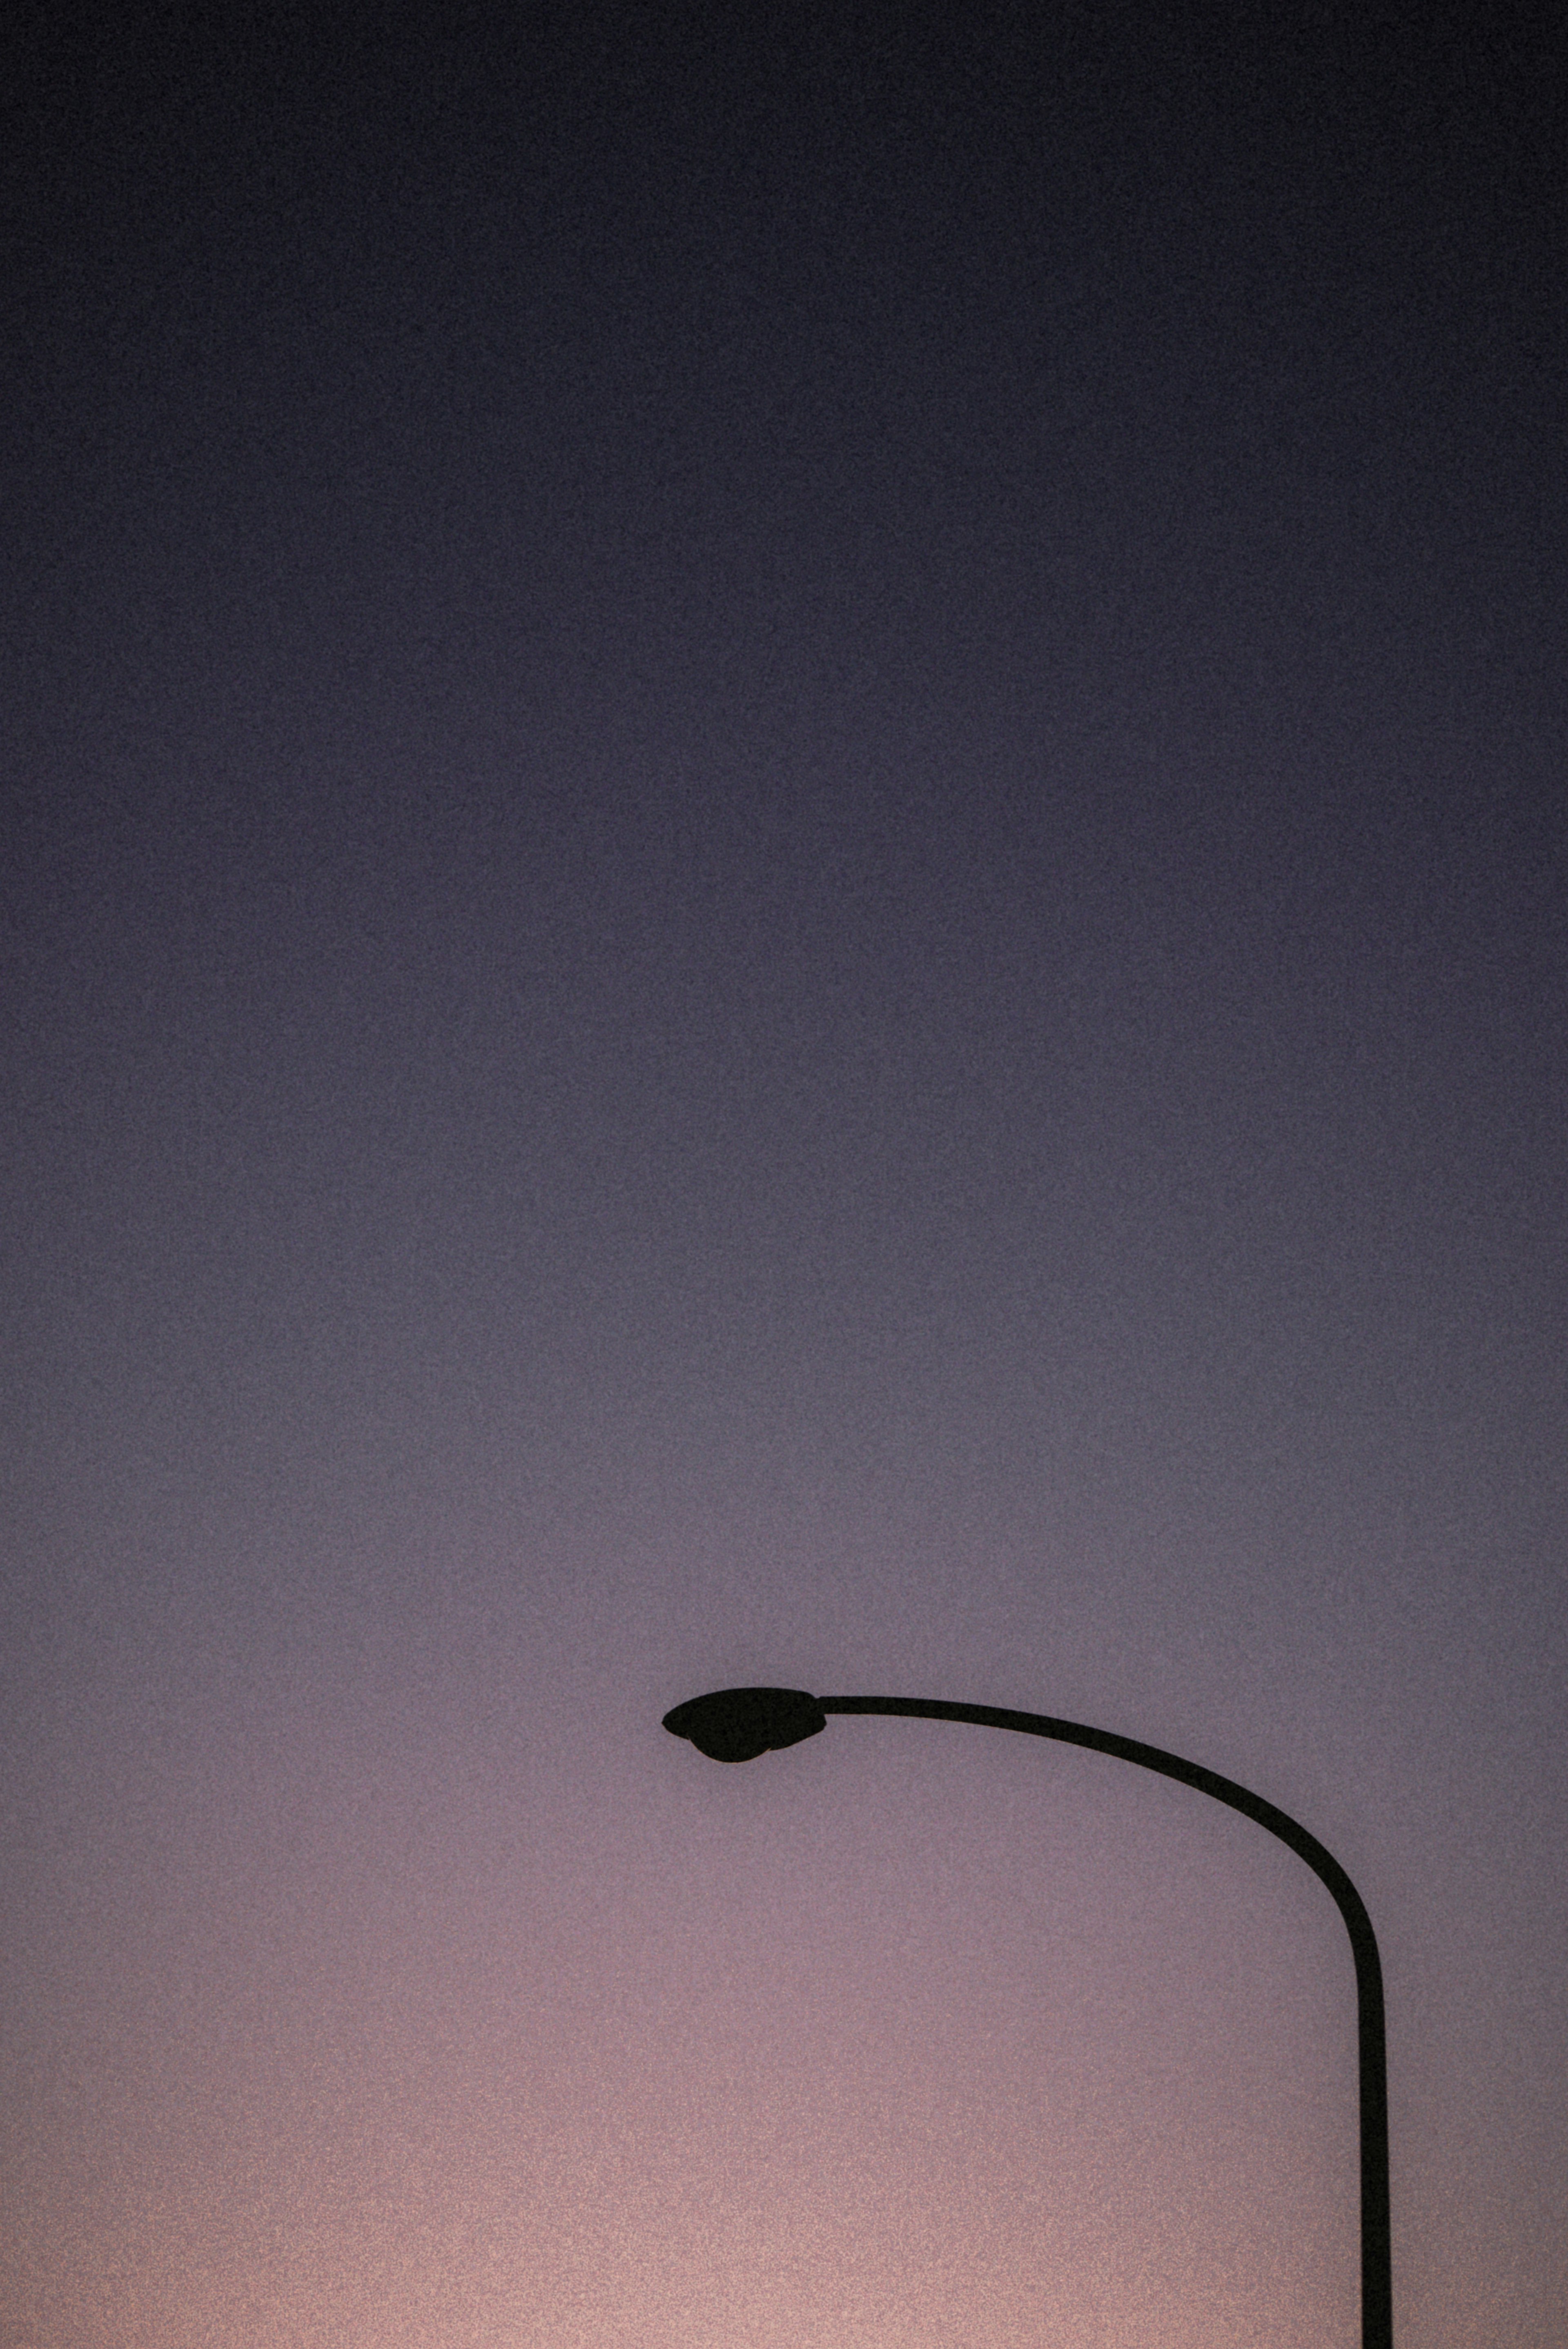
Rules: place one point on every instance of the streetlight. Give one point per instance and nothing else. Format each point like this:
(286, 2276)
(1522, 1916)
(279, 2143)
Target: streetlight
(737, 1724)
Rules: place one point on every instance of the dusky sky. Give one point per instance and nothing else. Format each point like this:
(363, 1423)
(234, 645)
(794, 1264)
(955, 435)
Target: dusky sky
(784, 836)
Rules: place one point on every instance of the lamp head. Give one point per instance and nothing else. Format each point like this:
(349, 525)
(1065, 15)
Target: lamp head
(736, 1724)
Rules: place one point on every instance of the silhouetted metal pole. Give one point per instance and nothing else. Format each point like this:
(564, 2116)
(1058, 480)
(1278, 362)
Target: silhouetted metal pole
(737, 1724)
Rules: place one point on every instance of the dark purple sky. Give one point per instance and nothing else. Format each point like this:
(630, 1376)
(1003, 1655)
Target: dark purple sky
(784, 840)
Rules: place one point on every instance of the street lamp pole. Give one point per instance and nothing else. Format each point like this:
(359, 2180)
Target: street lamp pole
(737, 1724)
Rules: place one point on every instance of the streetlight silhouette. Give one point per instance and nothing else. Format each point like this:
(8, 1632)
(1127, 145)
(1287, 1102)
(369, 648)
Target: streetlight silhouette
(737, 1724)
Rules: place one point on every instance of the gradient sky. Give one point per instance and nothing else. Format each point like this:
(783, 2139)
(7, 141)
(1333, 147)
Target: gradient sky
(785, 836)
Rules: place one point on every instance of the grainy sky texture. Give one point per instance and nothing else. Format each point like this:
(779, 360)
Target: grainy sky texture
(784, 843)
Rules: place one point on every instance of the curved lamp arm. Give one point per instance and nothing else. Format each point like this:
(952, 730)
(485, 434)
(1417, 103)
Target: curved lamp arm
(737, 1724)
